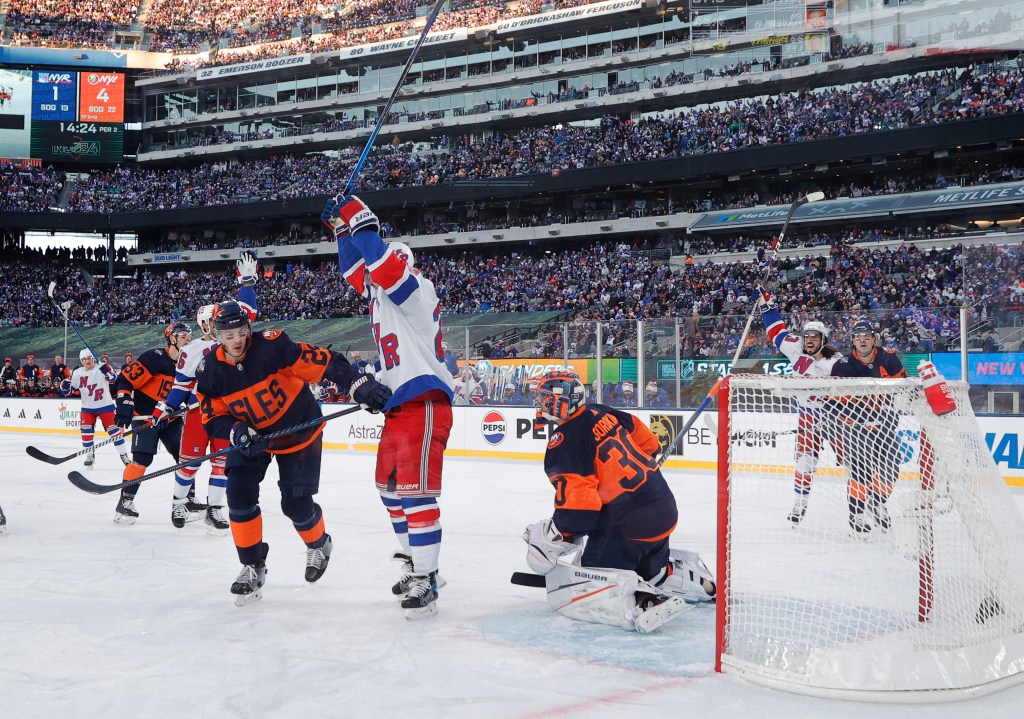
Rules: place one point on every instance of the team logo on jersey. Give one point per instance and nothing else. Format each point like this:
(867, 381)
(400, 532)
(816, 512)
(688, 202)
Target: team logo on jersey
(494, 427)
(556, 439)
(271, 334)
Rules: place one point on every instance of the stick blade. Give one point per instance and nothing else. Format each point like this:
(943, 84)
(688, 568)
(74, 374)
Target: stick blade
(815, 196)
(44, 457)
(525, 579)
(50, 289)
(87, 485)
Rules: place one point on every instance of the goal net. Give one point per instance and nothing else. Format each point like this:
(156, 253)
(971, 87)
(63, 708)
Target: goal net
(903, 576)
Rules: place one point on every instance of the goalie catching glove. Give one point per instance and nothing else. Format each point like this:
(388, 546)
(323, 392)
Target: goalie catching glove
(246, 265)
(546, 545)
(349, 214)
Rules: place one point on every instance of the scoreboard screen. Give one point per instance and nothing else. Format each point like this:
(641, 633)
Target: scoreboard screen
(63, 115)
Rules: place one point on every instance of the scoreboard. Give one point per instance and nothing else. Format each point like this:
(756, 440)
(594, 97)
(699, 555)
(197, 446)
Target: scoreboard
(77, 116)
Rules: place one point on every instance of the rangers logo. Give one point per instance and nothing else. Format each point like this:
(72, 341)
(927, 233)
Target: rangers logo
(494, 427)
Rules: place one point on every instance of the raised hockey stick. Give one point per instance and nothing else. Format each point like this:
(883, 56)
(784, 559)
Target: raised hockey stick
(712, 393)
(50, 459)
(391, 101)
(800, 202)
(525, 579)
(62, 307)
(84, 483)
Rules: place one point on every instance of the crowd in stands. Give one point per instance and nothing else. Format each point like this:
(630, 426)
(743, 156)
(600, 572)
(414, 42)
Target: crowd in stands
(920, 100)
(68, 23)
(29, 189)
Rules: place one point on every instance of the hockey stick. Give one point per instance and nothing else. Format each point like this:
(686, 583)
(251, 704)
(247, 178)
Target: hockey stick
(62, 308)
(712, 393)
(84, 483)
(391, 101)
(50, 459)
(709, 421)
(525, 579)
(800, 202)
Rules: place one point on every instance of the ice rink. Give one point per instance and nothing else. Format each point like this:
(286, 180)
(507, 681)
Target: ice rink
(102, 620)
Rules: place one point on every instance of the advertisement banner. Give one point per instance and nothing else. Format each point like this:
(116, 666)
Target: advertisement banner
(513, 433)
(984, 368)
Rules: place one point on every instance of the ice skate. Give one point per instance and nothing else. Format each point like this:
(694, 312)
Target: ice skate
(90, 457)
(420, 601)
(655, 610)
(317, 559)
(248, 587)
(125, 459)
(880, 512)
(126, 513)
(186, 510)
(3, 523)
(859, 524)
(216, 525)
(799, 510)
(401, 587)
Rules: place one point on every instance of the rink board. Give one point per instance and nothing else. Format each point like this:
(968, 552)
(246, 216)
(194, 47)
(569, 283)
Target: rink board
(509, 433)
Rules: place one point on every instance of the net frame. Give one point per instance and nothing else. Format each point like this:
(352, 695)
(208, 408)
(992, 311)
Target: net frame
(927, 650)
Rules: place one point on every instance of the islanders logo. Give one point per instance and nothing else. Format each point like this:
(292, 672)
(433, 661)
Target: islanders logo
(494, 427)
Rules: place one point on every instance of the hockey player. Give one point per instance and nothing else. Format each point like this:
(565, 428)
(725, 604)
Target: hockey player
(868, 431)
(90, 382)
(253, 383)
(140, 386)
(194, 440)
(405, 316)
(609, 490)
(810, 356)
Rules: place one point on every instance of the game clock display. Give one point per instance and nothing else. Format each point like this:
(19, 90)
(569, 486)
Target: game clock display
(77, 116)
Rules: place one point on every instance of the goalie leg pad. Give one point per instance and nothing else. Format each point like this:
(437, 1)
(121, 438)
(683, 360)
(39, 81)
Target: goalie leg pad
(689, 579)
(602, 596)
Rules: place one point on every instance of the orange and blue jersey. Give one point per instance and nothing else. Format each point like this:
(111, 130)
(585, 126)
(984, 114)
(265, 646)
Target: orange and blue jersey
(601, 464)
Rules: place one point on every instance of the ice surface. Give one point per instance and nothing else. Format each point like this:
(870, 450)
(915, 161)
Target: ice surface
(102, 620)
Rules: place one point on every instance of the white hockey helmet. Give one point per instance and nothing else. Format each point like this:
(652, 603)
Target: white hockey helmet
(818, 327)
(404, 251)
(85, 354)
(204, 317)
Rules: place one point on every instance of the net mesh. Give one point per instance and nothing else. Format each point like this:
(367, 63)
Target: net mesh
(904, 572)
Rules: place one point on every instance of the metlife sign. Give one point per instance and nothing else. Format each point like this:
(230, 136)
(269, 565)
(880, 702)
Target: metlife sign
(1008, 193)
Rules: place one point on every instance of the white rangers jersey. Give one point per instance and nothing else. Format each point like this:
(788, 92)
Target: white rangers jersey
(405, 316)
(189, 358)
(792, 346)
(93, 385)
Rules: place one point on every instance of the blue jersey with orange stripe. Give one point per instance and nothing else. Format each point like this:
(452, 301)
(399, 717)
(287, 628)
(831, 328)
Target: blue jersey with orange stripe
(267, 387)
(601, 464)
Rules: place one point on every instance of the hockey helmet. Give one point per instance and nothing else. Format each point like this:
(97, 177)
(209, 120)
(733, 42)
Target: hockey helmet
(205, 317)
(86, 354)
(559, 395)
(818, 327)
(230, 315)
(404, 251)
(176, 328)
(861, 327)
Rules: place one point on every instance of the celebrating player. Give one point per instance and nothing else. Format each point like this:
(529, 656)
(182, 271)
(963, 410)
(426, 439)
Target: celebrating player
(868, 431)
(140, 386)
(90, 381)
(194, 440)
(610, 490)
(255, 382)
(405, 316)
(810, 356)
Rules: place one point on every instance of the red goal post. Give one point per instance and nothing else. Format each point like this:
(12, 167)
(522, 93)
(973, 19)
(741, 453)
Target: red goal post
(926, 601)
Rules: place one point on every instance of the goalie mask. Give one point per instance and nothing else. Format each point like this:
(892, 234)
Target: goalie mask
(559, 395)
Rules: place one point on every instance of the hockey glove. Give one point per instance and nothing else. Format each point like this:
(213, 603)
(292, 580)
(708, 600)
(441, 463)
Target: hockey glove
(249, 442)
(124, 412)
(546, 545)
(160, 413)
(764, 302)
(349, 214)
(247, 273)
(369, 393)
